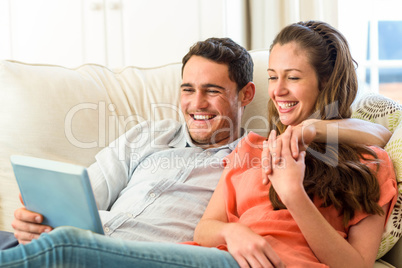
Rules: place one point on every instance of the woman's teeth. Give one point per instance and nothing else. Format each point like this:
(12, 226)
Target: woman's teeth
(285, 105)
(202, 117)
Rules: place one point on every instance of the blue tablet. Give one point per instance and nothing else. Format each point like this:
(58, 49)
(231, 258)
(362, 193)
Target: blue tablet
(61, 192)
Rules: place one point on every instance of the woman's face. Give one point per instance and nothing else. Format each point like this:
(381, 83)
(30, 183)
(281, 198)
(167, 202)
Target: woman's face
(293, 83)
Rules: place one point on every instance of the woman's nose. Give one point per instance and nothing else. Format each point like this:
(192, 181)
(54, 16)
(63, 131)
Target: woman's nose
(280, 88)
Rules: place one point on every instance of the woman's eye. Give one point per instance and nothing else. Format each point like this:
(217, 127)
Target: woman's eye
(293, 78)
(272, 78)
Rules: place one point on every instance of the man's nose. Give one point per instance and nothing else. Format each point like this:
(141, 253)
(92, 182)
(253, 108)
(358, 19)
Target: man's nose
(200, 101)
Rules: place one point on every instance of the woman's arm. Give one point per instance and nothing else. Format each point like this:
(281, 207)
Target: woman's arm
(360, 250)
(329, 247)
(247, 248)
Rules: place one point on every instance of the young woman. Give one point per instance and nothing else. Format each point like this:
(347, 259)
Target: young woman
(318, 208)
(274, 206)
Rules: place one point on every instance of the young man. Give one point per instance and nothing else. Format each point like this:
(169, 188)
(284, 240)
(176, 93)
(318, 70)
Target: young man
(154, 182)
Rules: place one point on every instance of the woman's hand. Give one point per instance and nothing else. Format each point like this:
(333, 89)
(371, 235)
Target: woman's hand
(250, 249)
(286, 173)
(300, 138)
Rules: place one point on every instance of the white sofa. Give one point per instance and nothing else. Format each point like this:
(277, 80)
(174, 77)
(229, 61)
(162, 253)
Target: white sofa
(70, 114)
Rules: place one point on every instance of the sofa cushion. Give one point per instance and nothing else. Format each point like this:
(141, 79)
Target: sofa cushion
(381, 110)
(48, 112)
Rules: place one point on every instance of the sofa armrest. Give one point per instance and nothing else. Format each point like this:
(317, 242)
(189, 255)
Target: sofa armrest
(382, 264)
(394, 256)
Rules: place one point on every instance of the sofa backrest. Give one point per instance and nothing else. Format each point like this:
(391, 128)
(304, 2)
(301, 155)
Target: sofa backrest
(70, 114)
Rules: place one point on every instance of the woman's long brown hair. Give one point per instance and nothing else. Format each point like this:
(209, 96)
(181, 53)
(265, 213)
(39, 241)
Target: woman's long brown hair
(334, 172)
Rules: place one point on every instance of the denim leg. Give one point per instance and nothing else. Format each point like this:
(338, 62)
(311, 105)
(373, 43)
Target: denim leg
(7, 240)
(71, 247)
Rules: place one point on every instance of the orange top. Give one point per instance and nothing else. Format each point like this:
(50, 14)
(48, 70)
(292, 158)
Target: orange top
(247, 202)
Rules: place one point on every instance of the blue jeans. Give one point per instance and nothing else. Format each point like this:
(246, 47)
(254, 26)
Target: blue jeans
(71, 247)
(7, 240)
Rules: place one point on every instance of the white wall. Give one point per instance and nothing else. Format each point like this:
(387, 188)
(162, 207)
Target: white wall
(113, 32)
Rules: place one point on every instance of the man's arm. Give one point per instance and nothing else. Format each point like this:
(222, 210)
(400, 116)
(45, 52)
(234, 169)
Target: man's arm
(350, 131)
(28, 225)
(347, 131)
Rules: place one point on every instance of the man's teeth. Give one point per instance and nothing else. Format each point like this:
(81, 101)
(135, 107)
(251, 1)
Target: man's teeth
(285, 105)
(202, 117)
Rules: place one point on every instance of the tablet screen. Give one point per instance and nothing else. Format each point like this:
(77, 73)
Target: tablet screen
(61, 192)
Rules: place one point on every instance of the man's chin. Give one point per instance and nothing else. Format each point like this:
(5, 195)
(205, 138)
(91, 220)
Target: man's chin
(209, 140)
(200, 139)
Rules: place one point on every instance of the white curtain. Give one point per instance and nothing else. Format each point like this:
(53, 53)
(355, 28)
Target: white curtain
(267, 17)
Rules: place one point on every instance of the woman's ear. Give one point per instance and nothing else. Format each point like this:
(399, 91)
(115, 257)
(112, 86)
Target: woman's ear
(246, 94)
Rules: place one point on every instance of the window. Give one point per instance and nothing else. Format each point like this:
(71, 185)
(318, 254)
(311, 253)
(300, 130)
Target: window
(375, 36)
(385, 70)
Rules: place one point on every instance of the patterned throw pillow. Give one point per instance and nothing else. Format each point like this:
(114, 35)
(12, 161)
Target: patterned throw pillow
(381, 110)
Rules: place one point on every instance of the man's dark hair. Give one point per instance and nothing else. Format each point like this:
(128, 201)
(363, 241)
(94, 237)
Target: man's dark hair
(226, 51)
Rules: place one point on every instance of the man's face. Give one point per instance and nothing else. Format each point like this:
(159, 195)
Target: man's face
(210, 102)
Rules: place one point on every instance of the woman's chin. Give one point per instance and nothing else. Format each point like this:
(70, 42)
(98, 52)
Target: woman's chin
(289, 121)
(285, 121)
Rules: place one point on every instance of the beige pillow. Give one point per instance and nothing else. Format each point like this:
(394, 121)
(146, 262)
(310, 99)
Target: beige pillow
(381, 110)
(70, 114)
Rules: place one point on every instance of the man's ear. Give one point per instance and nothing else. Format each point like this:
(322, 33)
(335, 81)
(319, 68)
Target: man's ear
(246, 94)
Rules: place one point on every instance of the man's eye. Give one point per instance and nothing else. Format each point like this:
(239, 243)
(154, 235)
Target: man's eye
(293, 78)
(213, 91)
(187, 90)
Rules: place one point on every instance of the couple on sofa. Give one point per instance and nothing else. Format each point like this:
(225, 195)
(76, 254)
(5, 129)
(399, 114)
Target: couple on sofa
(276, 203)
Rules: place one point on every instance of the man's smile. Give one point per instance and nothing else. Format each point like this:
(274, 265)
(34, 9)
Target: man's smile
(202, 116)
